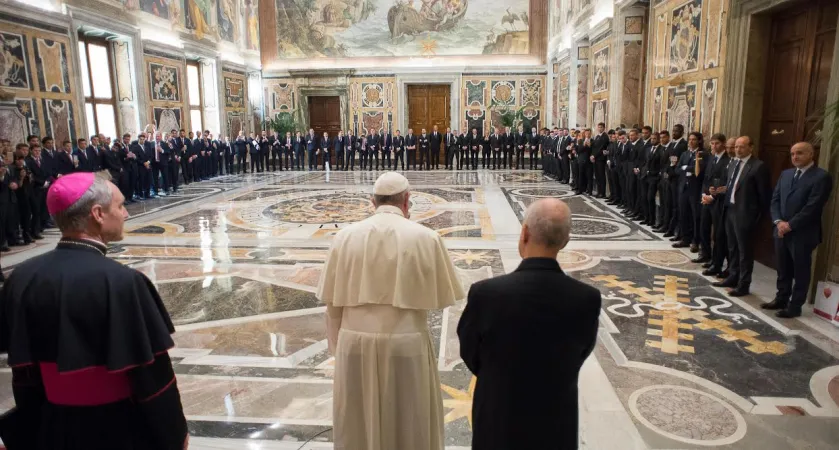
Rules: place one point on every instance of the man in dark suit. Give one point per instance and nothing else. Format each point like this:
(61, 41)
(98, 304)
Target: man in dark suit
(598, 157)
(715, 171)
(371, 150)
(424, 143)
(435, 139)
(398, 150)
(519, 145)
(796, 208)
(476, 143)
(451, 147)
(496, 143)
(746, 199)
(678, 148)
(535, 313)
(650, 175)
(690, 192)
(311, 149)
(714, 247)
(411, 148)
(533, 140)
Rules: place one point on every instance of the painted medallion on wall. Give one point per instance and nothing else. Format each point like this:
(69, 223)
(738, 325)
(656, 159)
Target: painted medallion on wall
(381, 28)
(234, 93)
(14, 70)
(684, 37)
(601, 70)
(165, 83)
(167, 118)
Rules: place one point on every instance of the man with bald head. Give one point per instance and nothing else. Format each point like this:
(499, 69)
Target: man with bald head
(537, 313)
(796, 208)
(747, 197)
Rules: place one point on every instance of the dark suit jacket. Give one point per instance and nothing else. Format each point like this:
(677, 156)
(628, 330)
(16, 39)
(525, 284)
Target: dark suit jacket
(496, 142)
(715, 173)
(94, 159)
(536, 313)
(601, 142)
(424, 142)
(63, 163)
(411, 141)
(752, 195)
(475, 140)
(311, 142)
(84, 163)
(802, 205)
(652, 168)
(435, 140)
(39, 171)
(689, 180)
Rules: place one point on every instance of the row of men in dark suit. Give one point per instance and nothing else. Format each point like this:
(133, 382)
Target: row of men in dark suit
(498, 150)
(709, 201)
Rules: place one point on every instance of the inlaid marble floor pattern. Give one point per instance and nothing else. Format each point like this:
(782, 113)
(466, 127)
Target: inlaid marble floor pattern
(678, 364)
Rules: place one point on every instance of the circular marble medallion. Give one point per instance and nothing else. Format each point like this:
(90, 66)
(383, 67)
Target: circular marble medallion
(539, 192)
(664, 257)
(687, 415)
(595, 228)
(323, 208)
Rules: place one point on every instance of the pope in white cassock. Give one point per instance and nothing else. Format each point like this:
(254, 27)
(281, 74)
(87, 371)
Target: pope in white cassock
(381, 278)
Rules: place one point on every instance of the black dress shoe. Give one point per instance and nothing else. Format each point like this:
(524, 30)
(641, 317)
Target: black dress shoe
(774, 304)
(700, 260)
(788, 313)
(694, 248)
(5, 248)
(725, 283)
(737, 293)
(37, 237)
(668, 234)
(707, 265)
(681, 245)
(711, 271)
(723, 275)
(675, 238)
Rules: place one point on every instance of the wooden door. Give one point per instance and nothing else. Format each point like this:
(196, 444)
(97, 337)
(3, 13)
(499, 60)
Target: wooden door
(325, 115)
(429, 105)
(798, 71)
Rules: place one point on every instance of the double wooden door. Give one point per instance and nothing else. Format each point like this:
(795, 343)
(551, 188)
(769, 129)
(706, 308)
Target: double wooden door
(797, 74)
(325, 115)
(429, 105)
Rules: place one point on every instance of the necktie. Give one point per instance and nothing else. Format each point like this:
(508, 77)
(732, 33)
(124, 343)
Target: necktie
(716, 160)
(796, 177)
(157, 151)
(730, 187)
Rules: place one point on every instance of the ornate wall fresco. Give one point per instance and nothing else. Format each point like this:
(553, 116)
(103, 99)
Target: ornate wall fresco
(280, 95)
(373, 103)
(633, 57)
(37, 90)
(485, 98)
(564, 93)
(582, 94)
(364, 28)
(166, 90)
(600, 78)
(235, 94)
(688, 50)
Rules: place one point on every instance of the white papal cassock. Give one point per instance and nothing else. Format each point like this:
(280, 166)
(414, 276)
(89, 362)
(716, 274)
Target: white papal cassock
(381, 278)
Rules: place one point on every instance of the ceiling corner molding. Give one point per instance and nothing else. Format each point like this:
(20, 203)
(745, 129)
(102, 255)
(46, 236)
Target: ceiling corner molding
(601, 28)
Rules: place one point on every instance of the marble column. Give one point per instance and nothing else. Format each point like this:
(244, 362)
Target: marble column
(627, 81)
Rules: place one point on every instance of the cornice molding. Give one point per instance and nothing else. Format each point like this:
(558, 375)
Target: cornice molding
(601, 28)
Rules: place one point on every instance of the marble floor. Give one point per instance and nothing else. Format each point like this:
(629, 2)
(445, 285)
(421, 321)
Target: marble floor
(678, 364)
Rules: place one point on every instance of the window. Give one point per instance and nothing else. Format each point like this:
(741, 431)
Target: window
(98, 85)
(196, 105)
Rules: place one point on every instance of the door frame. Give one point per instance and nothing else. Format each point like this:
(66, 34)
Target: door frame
(747, 50)
(451, 79)
(303, 104)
